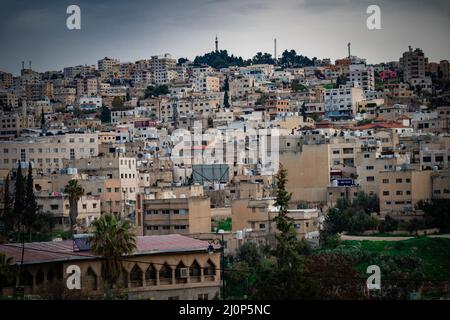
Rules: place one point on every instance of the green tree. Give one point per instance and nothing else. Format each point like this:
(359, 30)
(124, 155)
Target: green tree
(226, 98)
(154, 91)
(31, 207)
(19, 199)
(388, 224)
(113, 237)
(105, 115)
(263, 58)
(117, 103)
(287, 242)
(74, 192)
(7, 217)
(436, 213)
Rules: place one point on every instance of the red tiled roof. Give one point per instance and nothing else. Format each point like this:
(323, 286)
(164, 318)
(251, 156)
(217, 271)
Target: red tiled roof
(40, 252)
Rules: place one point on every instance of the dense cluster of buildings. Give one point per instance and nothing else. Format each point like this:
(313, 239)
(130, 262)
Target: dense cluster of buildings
(342, 129)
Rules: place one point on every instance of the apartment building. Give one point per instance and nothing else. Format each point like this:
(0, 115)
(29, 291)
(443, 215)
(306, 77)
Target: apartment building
(177, 215)
(413, 64)
(57, 204)
(48, 153)
(401, 190)
(308, 172)
(241, 87)
(206, 83)
(6, 80)
(118, 192)
(13, 124)
(440, 184)
(343, 101)
(259, 214)
(87, 87)
(362, 75)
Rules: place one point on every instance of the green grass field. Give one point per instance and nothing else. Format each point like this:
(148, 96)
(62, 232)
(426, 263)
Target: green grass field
(434, 252)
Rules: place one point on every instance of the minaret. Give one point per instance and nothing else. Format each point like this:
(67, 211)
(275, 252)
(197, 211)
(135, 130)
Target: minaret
(348, 45)
(217, 44)
(275, 49)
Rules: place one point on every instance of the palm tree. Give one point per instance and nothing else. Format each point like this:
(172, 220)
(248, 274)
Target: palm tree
(74, 192)
(113, 237)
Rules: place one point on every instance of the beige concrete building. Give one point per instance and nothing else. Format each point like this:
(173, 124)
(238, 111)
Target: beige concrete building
(57, 204)
(47, 153)
(258, 215)
(400, 190)
(440, 184)
(176, 215)
(308, 172)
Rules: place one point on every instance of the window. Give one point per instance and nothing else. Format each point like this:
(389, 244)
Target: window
(398, 180)
(370, 179)
(385, 193)
(385, 180)
(369, 167)
(399, 193)
(262, 225)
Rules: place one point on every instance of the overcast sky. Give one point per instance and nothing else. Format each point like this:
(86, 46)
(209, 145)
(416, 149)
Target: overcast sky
(135, 29)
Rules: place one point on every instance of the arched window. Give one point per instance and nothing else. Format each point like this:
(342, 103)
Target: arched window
(209, 270)
(150, 275)
(91, 280)
(136, 275)
(181, 273)
(40, 277)
(165, 274)
(195, 272)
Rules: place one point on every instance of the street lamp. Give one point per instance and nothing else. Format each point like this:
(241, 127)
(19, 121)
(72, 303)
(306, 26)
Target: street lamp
(211, 250)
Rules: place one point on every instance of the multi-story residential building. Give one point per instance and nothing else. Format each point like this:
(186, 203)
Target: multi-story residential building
(311, 182)
(39, 91)
(8, 100)
(206, 83)
(400, 190)
(440, 184)
(121, 181)
(176, 215)
(6, 80)
(343, 101)
(14, 123)
(413, 64)
(259, 216)
(57, 204)
(362, 75)
(47, 153)
(241, 86)
(87, 87)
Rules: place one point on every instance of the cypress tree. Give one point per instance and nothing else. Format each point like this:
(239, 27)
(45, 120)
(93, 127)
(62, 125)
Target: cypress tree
(7, 216)
(31, 207)
(19, 198)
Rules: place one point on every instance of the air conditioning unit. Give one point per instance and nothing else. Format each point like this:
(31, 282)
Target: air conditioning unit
(184, 272)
